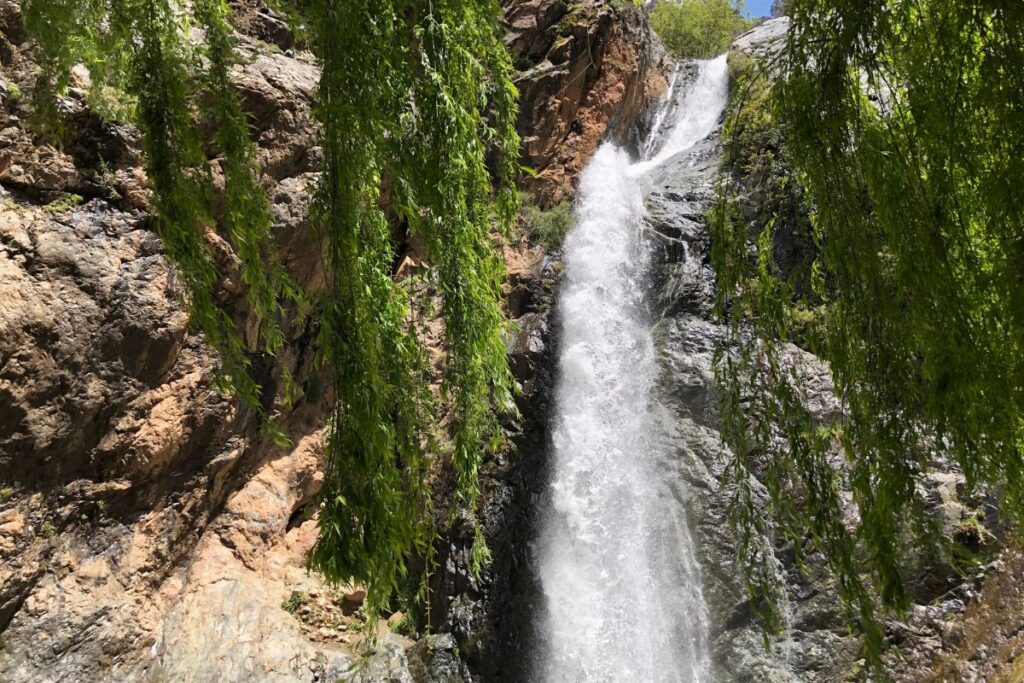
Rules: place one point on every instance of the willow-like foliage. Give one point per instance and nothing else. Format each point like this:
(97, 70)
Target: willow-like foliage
(416, 94)
(246, 214)
(68, 32)
(140, 47)
(417, 110)
(903, 122)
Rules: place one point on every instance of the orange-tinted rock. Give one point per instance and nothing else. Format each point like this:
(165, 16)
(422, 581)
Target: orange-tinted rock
(589, 69)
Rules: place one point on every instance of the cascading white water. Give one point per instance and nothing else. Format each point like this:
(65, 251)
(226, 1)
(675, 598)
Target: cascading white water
(620, 581)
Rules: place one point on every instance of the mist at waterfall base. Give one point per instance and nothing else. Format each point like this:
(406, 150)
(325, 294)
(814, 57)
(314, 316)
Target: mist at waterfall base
(614, 558)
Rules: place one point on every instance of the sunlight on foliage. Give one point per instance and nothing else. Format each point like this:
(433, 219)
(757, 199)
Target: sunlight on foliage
(901, 122)
(416, 95)
(697, 29)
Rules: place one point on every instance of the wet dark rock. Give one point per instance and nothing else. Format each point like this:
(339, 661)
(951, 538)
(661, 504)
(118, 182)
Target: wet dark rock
(484, 615)
(435, 659)
(817, 644)
(682, 190)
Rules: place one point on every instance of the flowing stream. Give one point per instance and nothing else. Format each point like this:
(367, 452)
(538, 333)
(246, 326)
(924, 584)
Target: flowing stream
(621, 585)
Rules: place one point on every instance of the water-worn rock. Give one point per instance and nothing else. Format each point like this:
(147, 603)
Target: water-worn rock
(482, 613)
(682, 282)
(765, 41)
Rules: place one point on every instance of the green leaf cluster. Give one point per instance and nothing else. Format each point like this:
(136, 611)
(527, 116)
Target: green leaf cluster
(697, 29)
(139, 47)
(547, 226)
(900, 121)
(417, 112)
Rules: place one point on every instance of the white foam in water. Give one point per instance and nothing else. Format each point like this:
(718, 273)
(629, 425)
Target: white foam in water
(698, 113)
(621, 584)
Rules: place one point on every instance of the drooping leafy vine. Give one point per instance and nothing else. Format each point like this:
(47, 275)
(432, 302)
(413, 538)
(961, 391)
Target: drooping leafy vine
(417, 112)
(901, 121)
(246, 214)
(418, 95)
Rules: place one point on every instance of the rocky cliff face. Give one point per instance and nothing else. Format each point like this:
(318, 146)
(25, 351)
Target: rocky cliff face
(962, 627)
(148, 530)
(147, 526)
(587, 68)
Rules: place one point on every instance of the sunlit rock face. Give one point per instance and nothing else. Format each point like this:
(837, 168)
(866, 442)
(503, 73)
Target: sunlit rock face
(146, 524)
(587, 69)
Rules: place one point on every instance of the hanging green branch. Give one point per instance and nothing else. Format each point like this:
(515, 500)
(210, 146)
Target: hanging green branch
(374, 502)
(901, 121)
(449, 138)
(417, 94)
(177, 169)
(414, 98)
(246, 215)
(66, 32)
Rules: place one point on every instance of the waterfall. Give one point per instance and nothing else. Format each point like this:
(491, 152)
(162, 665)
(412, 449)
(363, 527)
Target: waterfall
(621, 585)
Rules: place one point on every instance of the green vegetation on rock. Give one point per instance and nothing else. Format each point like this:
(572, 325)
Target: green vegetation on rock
(545, 226)
(697, 28)
(294, 602)
(65, 202)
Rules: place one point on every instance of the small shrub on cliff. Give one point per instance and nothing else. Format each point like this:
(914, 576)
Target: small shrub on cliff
(14, 92)
(548, 227)
(65, 202)
(405, 625)
(697, 29)
(773, 200)
(294, 602)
